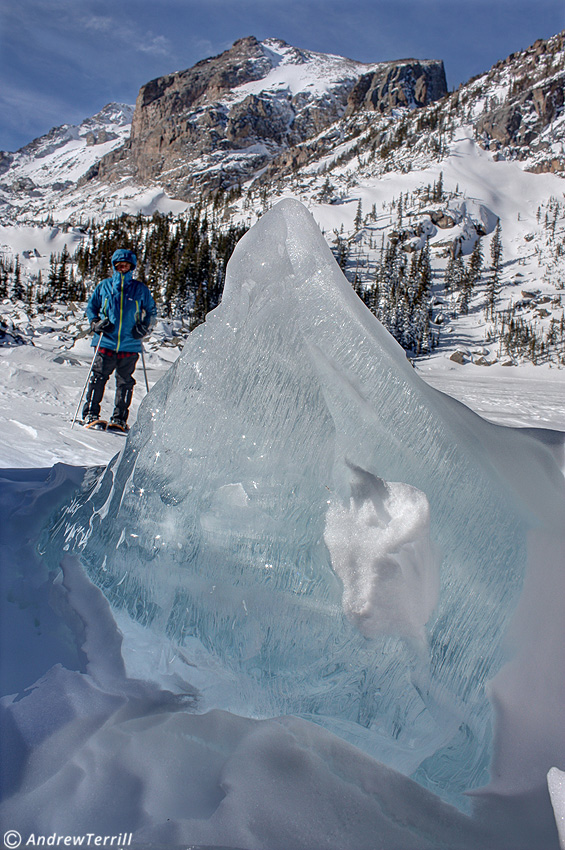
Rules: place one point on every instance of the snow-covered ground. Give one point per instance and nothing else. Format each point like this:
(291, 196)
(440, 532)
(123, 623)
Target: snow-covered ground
(41, 384)
(40, 387)
(525, 396)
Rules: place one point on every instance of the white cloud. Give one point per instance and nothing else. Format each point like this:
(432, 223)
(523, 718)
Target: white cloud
(99, 23)
(158, 45)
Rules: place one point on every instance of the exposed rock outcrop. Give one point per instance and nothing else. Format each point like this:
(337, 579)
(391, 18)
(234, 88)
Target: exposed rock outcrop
(520, 120)
(535, 97)
(6, 160)
(408, 83)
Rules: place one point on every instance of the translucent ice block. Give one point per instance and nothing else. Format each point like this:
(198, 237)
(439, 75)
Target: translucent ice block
(332, 537)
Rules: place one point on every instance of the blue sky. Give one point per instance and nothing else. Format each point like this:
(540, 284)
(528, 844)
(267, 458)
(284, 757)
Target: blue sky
(63, 60)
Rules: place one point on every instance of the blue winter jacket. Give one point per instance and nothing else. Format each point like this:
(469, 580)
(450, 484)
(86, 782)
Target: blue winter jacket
(124, 301)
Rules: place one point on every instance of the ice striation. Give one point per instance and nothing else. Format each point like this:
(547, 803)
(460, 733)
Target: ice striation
(326, 536)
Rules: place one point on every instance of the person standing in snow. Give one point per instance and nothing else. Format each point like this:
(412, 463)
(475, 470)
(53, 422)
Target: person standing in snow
(122, 311)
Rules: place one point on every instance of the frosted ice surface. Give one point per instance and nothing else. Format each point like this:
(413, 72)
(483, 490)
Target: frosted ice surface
(556, 785)
(345, 542)
(380, 548)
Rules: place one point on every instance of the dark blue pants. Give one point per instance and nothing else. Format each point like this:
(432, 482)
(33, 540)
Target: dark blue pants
(105, 363)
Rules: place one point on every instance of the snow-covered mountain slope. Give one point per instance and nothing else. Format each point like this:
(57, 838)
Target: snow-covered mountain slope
(268, 112)
(52, 164)
(515, 110)
(517, 107)
(477, 190)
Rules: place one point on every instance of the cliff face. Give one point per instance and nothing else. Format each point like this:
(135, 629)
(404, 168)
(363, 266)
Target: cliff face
(522, 115)
(408, 83)
(229, 116)
(181, 116)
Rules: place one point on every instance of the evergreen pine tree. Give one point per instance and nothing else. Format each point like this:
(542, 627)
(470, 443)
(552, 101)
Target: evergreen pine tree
(424, 272)
(39, 288)
(476, 263)
(465, 290)
(359, 216)
(326, 192)
(200, 307)
(459, 272)
(3, 280)
(413, 279)
(52, 279)
(496, 264)
(18, 290)
(470, 277)
(341, 250)
(62, 282)
(29, 296)
(449, 274)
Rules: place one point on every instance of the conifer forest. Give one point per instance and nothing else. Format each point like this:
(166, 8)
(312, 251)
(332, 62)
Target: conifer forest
(183, 260)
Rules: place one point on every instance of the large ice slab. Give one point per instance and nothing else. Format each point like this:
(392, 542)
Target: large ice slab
(330, 537)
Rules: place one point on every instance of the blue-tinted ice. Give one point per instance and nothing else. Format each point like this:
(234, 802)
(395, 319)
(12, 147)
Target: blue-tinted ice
(331, 536)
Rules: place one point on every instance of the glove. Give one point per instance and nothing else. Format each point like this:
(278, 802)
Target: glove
(99, 326)
(139, 330)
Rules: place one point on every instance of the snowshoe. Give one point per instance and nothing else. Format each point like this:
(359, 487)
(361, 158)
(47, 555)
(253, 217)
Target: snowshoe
(95, 424)
(117, 425)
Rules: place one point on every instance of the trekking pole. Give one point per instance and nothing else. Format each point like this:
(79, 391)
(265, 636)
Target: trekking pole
(144, 369)
(87, 380)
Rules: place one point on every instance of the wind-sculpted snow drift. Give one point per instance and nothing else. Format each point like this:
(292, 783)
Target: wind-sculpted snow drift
(330, 538)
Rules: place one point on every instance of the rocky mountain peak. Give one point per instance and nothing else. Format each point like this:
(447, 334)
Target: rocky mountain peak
(55, 161)
(237, 111)
(243, 62)
(293, 55)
